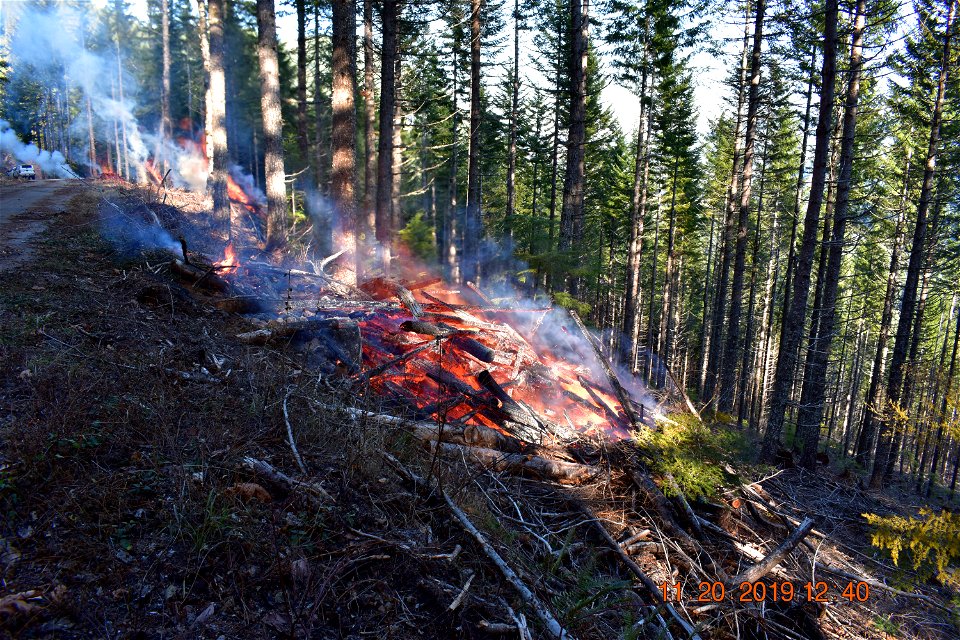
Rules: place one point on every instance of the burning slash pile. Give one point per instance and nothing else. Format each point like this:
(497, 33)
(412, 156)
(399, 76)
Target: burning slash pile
(516, 379)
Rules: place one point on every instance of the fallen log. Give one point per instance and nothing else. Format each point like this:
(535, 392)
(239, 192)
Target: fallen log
(550, 622)
(511, 408)
(198, 277)
(559, 471)
(474, 347)
(428, 328)
(469, 435)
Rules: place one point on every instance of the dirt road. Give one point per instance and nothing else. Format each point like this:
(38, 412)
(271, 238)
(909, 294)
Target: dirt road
(24, 212)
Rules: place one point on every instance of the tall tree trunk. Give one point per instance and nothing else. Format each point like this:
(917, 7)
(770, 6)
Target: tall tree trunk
(790, 341)
(272, 125)
(512, 142)
(384, 213)
(732, 345)
(205, 57)
(638, 206)
(705, 321)
(318, 141)
(369, 124)
(909, 301)
(571, 212)
(554, 167)
(941, 417)
(746, 361)
(344, 124)
(217, 114)
(725, 253)
(798, 194)
(648, 367)
(666, 311)
(302, 139)
(871, 413)
(811, 408)
(451, 226)
(473, 227)
(165, 123)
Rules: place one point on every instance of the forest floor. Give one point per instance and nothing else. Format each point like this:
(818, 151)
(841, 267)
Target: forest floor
(127, 409)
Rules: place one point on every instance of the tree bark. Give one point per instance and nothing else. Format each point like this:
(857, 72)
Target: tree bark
(942, 415)
(272, 124)
(302, 140)
(909, 301)
(473, 227)
(165, 125)
(871, 414)
(512, 142)
(384, 213)
(216, 114)
(810, 414)
(732, 345)
(319, 144)
(725, 249)
(571, 212)
(638, 206)
(369, 124)
(793, 326)
(344, 124)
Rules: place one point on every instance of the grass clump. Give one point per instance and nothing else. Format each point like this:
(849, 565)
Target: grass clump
(693, 453)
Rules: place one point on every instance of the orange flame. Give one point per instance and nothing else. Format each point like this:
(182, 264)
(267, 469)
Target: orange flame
(230, 261)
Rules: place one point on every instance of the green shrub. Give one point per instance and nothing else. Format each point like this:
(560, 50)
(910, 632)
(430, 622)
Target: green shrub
(693, 453)
(417, 235)
(931, 542)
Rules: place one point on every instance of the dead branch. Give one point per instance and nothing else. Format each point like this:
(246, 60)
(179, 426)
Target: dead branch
(880, 585)
(550, 622)
(652, 590)
(562, 472)
(268, 471)
(774, 558)
(203, 278)
(293, 444)
(376, 371)
(621, 393)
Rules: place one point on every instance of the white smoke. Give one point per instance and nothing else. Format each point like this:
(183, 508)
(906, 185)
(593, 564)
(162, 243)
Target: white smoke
(51, 44)
(50, 163)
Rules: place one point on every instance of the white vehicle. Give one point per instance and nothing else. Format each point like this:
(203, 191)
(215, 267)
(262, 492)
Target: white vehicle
(23, 171)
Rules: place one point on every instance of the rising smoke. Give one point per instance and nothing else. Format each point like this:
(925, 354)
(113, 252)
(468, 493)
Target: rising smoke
(50, 163)
(52, 46)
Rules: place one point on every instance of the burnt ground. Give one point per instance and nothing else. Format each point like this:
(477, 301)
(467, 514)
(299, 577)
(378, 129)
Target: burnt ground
(127, 409)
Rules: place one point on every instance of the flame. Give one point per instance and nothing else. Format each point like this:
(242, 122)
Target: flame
(563, 392)
(230, 261)
(153, 172)
(236, 194)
